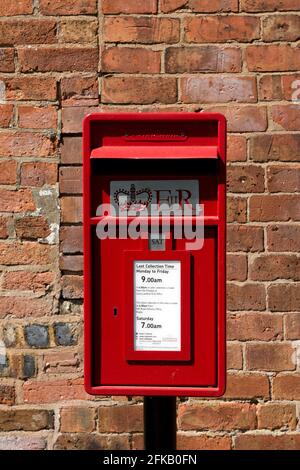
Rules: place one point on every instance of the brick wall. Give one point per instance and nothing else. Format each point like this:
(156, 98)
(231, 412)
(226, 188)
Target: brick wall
(61, 60)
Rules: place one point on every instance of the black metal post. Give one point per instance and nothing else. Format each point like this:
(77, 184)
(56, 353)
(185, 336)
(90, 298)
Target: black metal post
(160, 423)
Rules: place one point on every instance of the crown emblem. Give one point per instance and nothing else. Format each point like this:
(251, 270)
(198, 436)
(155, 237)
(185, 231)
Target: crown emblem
(136, 200)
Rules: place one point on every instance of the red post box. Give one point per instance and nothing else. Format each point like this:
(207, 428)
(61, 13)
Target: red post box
(154, 254)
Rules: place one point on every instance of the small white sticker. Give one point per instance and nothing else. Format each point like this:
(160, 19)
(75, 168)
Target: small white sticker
(157, 305)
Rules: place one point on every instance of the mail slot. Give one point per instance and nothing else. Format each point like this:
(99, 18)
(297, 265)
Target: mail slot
(154, 254)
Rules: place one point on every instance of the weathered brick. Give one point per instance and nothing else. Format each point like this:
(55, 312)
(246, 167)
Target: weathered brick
(52, 391)
(245, 238)
(31, 228)
(7, 63)
(281, 28)
(65, 334)
(267, 442)
(292, 326)
(58, 58)
(214, 6)
(283, 178)
(4, 227)
(128, 418)
(22, 443)
(286, 117)
(282, 147)
(34, 117)
(236, 209)
(31, 88)
(38, 174)
(70, 180)
(217, 416)
(72, 119)
(7, 394)
(29, 366)
(22, 307)
(72, 287)
(130, 6)
(90, 441)
(286, 387)
(270, 88)
(283, 237)
(25, 253)
(16, 201)
(26, 420)
(25, 144)
(221, 28)
(187, 441)
(276, 416)
(270, 356)
(37, 336)
(130, 60)
(71, 239)
(71, 150)
(263, 208)
(72, 7)
(243, 118)
(268, 267)
(18, 7)
(202, 59)
(27, 281)
(245, 179)
(139, 90)
(254, 326)
(60, 362)
(269, 5)
(71, 209)
(236, 267)
(14, 32)
(73, 263)
(290, 85)
(168, 6)
(284, 297)
(247, 386)
(143, 29)
(78, 31)
(236, 148)
(77, 419)
(8, 171)
(79, 91)
(246, 297)
(234, 356)
(220, 89)
(273, 58)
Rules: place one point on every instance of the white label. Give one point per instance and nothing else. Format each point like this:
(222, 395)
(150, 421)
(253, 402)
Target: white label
(157, 305)
(139, 195)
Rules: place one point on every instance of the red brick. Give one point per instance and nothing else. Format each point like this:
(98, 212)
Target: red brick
(236, 209)
(283, 178)
(254, 326)
(220, 89)
(272, 267)
(145, 30)
(283, 147)
(18, 7)
(27, 281)
(32, 227)
(236, 148)
(283, 237)
(214, 6)
(168, 6)
(26, 420)
(72, 287)
(245, 179)
(139, 90)
(234, 356)
(247, 386)
(270, 356)
(79, 91)
(77, 419)
(58, 58)
(46, 391)
(8, 172)
(91, 441)
(71, 209)
(187, 441)
(281, 28)
(38, 174)
(273, 58)
(267, 442)
(236, 267)
(70, 180)
(286, 387)
(128, 418)
(292, 326)
(221, 28)
(60, 361)
(7, 63)
(246, 297)
(6, 115)
(71, 239)
(286, 117)
(78, 31)
(130, 60)
(243, 118)
(16, 201)
(4, 227)
(73, 7)
(269, 5)
(31, 88)
(290, 87)
(245, 238)
(130, 6)
(284, 208)
(72, 122)
(71, 150)
(23, 307)
(276, 415)
(25, 144)
(73, 263)
(216, 416)
(12, 254)
(14, 32)
(284, 297)
(203, 59)
(7, 394)
(33, 117)
(270, 88)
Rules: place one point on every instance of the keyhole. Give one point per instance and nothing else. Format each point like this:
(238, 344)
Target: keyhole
(115, 312)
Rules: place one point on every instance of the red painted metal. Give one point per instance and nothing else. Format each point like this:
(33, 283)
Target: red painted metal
(154, 146)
